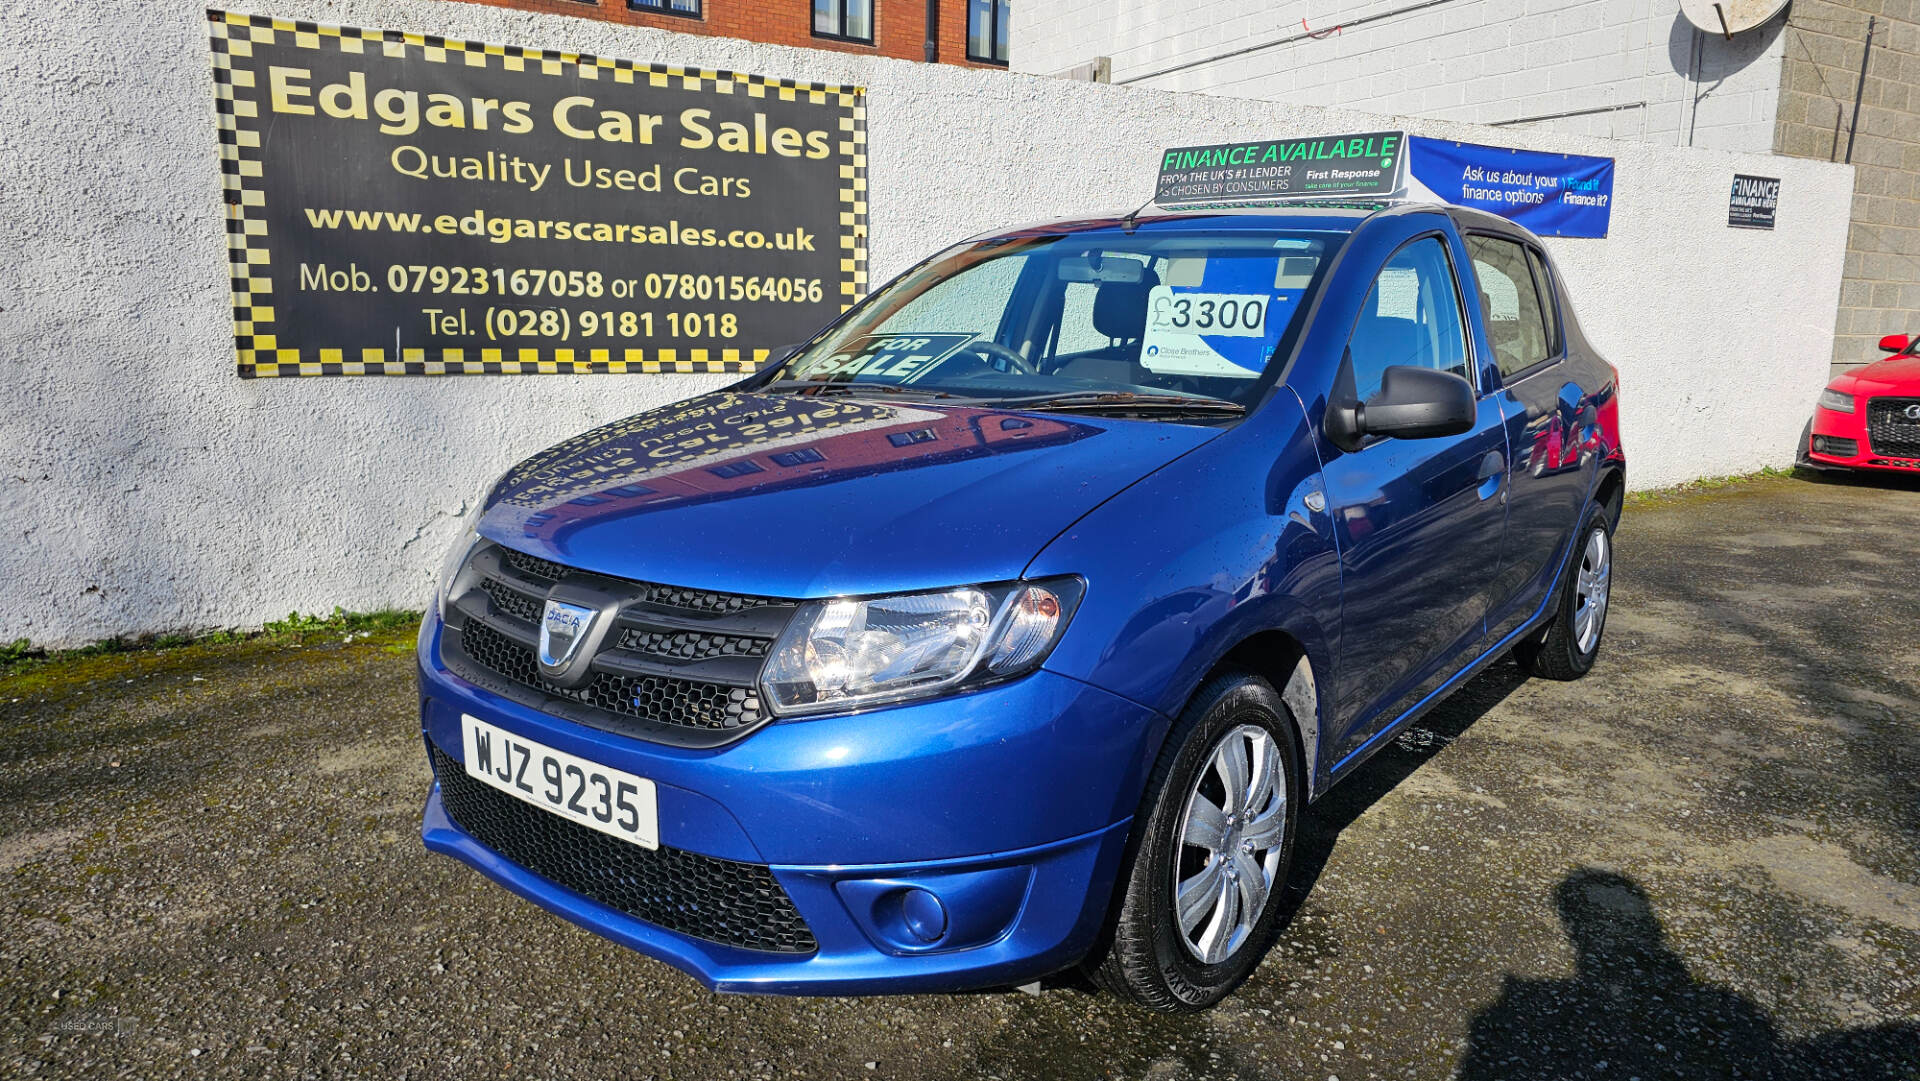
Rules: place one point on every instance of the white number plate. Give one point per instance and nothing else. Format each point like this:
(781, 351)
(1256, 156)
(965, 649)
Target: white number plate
(609, 800)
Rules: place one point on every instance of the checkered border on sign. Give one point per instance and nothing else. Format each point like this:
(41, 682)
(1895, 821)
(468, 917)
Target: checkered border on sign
(259, 352)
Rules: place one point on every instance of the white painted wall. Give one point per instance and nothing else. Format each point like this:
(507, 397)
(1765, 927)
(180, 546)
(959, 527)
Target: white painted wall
(1476, 61)
(144, 487)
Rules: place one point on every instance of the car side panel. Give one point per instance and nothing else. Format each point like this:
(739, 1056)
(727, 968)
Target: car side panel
(1562, 429)
(1199, 557)
(1420, 528)
(1556, 428)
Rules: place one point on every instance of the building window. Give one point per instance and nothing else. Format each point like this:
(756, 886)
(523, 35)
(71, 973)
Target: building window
(844, 20)
(987, 30)
(689, 8)
(803, 456)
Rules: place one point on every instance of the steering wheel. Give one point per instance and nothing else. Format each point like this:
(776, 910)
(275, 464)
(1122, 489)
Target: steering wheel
(1009, 361)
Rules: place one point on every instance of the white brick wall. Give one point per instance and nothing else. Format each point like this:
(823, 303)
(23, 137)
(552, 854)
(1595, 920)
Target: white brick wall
(1480, 61)
(148, 489)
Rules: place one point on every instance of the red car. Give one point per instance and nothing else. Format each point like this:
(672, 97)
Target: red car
(1869, 418)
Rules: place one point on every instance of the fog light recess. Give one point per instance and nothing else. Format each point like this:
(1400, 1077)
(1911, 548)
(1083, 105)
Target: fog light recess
(937, 911)
(924, 915)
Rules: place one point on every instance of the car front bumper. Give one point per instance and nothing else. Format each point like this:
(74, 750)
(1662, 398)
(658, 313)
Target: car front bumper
(1839, 441)
(1010, 806)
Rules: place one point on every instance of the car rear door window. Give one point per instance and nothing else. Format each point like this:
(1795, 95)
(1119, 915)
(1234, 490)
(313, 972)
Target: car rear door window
(1544, 280)
(1411, 317)
(1516, 322)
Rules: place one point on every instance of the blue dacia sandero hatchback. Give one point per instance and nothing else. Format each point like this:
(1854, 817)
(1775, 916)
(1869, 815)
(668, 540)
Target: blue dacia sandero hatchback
(1006, 626)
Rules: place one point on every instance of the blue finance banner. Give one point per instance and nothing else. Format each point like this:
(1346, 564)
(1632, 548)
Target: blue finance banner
(1551, 194)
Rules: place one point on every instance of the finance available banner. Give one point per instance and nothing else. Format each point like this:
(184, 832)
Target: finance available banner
(1551, 194)
(400, 204)
(1327, 167)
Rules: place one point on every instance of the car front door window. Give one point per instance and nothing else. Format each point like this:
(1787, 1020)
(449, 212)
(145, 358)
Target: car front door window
(1411, 317)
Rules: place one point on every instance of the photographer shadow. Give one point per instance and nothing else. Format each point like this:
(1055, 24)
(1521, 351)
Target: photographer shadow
(1633, 1010)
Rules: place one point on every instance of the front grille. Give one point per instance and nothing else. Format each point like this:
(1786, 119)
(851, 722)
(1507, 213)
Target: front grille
(698, 600)
(548, 572)
(521, 606)
(1889, 430)
(692, 647)
(679, 666)
(668, 701)
(735, 904)
(533, 566)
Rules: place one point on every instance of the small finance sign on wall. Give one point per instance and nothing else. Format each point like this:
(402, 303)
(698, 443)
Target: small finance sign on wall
(1752, 202)
(408, 205)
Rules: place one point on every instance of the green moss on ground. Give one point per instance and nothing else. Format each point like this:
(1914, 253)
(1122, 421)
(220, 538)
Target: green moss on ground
(1763, 480)
(26, 668)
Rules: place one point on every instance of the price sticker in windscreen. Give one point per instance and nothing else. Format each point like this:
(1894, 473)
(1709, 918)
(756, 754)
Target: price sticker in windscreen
(1184, 329)
(1238, 315)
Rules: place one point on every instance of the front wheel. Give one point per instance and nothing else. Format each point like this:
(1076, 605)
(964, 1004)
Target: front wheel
(1202, 900)
(1566, 647)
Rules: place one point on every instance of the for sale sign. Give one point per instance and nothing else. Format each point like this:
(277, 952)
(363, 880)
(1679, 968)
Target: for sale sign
(399, 204)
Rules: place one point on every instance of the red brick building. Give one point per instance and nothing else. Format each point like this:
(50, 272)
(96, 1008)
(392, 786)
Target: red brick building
(971, 33)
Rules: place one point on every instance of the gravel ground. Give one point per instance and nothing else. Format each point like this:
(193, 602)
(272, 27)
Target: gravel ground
(1700, 862)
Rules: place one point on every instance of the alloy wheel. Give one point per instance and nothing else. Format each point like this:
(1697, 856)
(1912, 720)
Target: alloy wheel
(1232, 833)
(1590, 591)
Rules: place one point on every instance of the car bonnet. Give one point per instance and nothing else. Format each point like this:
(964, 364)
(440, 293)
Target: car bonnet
(803, 496)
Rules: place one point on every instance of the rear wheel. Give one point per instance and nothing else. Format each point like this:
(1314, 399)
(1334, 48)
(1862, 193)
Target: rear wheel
(1566, 647)
(1215, 836)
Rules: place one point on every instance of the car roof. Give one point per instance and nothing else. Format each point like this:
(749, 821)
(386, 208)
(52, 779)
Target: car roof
(1335, 217)
(1255, 217)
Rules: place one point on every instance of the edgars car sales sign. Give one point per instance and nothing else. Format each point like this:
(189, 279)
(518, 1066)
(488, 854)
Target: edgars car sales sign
(399, 204)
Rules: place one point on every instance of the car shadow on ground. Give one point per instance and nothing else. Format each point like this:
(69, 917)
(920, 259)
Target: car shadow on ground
(1633, 1009)
(1858, 478)
(1323, 821)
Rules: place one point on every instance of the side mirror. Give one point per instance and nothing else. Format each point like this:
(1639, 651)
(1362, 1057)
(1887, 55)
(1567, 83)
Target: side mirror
(1895, 343)
(1412, 403)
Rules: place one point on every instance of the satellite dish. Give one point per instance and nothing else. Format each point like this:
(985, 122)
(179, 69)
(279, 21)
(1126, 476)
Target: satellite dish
(1729, 17)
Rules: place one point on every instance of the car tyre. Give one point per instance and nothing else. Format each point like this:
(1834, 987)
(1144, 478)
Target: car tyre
(1221, 858)
(1566, 647)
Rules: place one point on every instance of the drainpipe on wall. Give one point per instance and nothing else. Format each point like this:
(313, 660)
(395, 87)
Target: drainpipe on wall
(933, 31)
(1860, 91)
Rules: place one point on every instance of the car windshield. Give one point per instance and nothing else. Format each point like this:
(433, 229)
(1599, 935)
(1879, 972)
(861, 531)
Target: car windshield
(1182, 322)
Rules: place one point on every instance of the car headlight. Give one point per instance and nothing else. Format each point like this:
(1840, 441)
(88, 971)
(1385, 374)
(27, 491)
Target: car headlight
(848, 653)
(453, 561)
(1835, 400)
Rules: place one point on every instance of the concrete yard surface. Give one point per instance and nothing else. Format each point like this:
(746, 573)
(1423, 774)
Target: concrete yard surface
(1702, 861)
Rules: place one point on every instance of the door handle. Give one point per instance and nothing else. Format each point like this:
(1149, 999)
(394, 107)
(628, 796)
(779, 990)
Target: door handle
(1493, 470)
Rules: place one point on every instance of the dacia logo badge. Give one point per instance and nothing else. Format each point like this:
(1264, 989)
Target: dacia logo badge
(563, 627)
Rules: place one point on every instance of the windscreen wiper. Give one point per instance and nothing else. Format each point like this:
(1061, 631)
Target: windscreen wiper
(1097, 401)
(817, 387)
